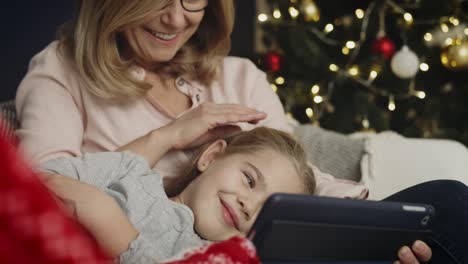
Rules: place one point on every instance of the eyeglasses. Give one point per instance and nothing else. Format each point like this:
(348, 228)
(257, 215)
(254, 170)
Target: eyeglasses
(194, 5)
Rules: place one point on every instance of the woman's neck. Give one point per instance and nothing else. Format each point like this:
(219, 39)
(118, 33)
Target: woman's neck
(156, 80)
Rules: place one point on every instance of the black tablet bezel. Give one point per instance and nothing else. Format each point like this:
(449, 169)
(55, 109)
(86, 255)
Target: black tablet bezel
(349, 226)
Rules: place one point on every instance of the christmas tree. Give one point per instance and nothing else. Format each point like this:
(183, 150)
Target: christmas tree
(377, 65)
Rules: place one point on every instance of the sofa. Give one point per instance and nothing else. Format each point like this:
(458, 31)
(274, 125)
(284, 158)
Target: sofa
(384, 162)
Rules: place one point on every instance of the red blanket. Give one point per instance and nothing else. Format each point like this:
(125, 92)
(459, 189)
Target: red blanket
(34, 229)
(234, 250)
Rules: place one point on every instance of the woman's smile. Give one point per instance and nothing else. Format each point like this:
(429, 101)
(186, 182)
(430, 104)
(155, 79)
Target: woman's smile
(162, 38)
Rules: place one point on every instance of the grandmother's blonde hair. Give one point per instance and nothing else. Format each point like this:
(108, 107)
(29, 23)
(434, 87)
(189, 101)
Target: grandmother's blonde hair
(261, 138)
(93, 41)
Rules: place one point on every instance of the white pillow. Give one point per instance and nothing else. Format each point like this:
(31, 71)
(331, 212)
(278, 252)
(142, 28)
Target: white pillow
(392, 162)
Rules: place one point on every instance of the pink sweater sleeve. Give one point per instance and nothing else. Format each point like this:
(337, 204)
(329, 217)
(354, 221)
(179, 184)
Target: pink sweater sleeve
(51, 124)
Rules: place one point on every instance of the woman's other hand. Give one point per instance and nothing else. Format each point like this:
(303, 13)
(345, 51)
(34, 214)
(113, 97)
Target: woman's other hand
(419, 252)
(207, 122)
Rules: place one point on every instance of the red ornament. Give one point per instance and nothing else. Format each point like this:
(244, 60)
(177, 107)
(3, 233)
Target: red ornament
(272, 61)
(384, 46)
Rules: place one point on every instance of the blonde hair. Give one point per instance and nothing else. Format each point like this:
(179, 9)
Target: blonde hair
(93, 42)
(252, 141)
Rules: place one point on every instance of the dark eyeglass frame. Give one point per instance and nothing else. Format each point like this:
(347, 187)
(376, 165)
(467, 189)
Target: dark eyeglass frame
(193, 11)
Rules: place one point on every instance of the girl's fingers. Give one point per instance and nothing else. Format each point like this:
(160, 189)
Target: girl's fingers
(406, 256)
(422, 251)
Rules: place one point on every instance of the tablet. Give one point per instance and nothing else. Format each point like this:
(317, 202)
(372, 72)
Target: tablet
(304, 228)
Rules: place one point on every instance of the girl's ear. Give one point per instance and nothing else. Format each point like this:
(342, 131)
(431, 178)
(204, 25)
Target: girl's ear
(210, 154)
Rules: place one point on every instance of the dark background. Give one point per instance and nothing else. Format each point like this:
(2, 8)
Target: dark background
(28, 26)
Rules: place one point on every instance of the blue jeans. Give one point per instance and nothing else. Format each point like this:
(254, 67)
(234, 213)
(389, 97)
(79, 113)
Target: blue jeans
(449, 242)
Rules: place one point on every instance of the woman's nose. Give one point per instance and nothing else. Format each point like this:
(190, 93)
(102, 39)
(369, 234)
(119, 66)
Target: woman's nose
(173, 15)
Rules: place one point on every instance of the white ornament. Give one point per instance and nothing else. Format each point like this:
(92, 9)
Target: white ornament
(405, 63)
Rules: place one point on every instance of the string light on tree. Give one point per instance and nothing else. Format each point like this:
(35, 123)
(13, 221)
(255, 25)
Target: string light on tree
(333, 67)
(408, 18)
(365, 123)
(310, 11)
(293, 12)
(280, 80)
(262, 18)
(328, 28)
(318, 99)
(391, 103)
(345, 50)
(372, 75)
(277, 13)
(310, 113)
(354, 70)
(455, 21)
(315, 89)
(420, 94)
(274, 87)
(428, 37)
(448, 42)
(444, 27)
(424, 67)
(359, 13)
(350, 44)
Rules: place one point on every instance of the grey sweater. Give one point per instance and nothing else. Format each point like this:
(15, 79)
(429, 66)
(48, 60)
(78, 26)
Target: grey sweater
(166, 228)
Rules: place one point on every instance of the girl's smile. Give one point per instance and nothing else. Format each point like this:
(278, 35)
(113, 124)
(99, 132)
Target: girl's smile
(229, 215)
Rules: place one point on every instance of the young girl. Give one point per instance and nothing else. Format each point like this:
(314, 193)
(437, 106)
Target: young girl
(227, 185)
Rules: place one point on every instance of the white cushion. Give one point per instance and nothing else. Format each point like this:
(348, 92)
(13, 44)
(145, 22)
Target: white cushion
(392, 162)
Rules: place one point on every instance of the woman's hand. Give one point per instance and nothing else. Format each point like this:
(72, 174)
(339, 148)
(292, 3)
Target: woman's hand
(419, 252)
(207, 122)
(198, 126)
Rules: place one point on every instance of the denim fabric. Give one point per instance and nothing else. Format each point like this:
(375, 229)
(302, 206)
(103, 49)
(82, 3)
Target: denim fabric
(449, 242)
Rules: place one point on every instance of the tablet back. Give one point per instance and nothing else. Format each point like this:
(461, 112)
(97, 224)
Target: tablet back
(309, 228)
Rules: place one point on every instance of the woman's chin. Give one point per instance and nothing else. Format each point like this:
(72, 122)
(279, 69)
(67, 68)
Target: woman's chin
(161, 57)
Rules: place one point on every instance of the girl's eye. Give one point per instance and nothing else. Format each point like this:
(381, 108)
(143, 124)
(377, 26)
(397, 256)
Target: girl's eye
(250, 180)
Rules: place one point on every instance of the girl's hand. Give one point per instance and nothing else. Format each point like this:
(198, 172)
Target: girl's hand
(419, 252)
(206, 122)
